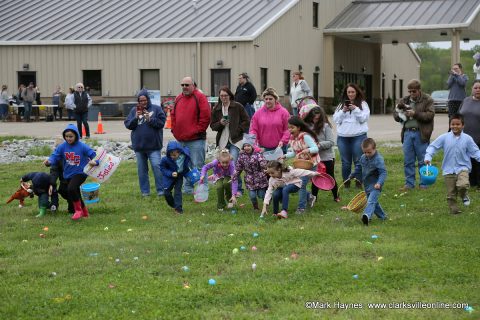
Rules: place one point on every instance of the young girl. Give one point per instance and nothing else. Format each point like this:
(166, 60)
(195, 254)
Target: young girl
(223, 169)
(254, 165)
(317, 119)
(75, 155)
(283, 181)
(304, 144)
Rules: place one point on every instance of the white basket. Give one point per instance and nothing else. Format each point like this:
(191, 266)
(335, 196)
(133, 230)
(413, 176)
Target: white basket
(273, 154)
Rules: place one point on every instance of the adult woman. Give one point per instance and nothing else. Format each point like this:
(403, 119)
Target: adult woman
(58, 99)
(230, 120)
(3, 103)
(470, 109)
(270, 123)
(82, 102)
(456, 83)
(351, 117)
(298, 90)
(70, 103)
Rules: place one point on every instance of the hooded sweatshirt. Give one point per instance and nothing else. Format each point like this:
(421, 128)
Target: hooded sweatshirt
(74, 156)
(270, 126)
(168, 166)
(146, 135)
(40, 181)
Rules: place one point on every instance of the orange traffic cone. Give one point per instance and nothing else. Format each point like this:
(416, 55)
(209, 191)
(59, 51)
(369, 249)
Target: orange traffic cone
(84, 132)
(168, 124)
(100, 125)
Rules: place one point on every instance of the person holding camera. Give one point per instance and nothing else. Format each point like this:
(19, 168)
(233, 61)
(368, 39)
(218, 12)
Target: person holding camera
(146, 122)
(456, 83)
(351, 117)
(230, 120)
(417, 128)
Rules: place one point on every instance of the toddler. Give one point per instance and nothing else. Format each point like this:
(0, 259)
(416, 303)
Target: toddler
(41, 187)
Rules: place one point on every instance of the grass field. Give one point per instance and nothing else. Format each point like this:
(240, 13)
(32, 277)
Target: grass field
(126, 260)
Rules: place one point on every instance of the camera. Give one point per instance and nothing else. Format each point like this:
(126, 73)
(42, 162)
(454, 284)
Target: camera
(140, 108)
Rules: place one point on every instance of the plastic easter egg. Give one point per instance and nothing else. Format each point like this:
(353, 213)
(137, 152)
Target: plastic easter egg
(212, 282)
(235, 251)
(355, 276)
(185, 268)
(243, 248)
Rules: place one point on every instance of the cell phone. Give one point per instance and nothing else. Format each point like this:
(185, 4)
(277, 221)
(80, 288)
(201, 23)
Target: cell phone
(346, 103)
(139, 108)
(225, 117)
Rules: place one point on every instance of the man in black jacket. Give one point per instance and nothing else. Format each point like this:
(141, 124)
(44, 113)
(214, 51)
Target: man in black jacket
(246, 94)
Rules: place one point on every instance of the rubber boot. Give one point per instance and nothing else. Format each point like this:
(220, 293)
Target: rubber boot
(41, 212)
(85, 211)
(77, 206)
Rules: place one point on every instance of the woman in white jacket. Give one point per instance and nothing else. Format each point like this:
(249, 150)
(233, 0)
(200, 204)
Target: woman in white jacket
(70, 104)
(351, 117)
(299, 89)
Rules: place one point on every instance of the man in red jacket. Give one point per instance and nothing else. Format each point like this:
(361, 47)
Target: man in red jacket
(190, 120)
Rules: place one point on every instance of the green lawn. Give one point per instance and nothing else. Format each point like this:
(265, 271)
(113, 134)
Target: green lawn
(126, 260)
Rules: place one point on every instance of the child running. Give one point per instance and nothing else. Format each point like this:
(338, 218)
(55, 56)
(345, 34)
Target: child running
(75, 155)
(318, 121)
(283, 181)
(223, 169)
(254, 165)
(374, 173)
(174, 166)
(458, 147)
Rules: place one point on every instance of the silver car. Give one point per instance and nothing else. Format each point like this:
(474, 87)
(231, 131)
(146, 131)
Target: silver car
(440, 99)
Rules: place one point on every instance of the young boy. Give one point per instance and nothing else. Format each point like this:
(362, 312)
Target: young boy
(372, 167)
(174, 166)
(41, 188)
(458, 147)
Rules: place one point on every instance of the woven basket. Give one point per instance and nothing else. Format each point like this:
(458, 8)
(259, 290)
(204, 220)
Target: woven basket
(358, 203)
(306, 164)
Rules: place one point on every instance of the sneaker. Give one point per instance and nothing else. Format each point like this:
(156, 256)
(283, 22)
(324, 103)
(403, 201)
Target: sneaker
(466, 201)
(405, 188)
(422, 187)
(220, 209)
(358, 184)
(145, 194)
(229, 205)
(312, 200)
(282, 215)
(365, 219)
(337, 199)
(300, 211)
(54, 207)
(178, 211)
(238, 194)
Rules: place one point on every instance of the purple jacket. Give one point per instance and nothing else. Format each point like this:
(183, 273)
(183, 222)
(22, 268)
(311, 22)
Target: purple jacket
(254, 165)
(220, 172)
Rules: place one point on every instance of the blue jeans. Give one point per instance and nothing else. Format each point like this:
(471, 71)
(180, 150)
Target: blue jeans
(71, 115)
(295, 111)
(27, 110)
(3, 111)
(373, 206)
(350, 149)
(142, 169)
(282, 194)
(303, 194)
(234, 152)
(253, 194)
(82, 118)
(174, 201)
(197, 155)
(413, 149)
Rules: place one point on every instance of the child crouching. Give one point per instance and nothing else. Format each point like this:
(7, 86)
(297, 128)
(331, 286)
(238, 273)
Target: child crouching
(254, 165)
(174, 166)
(374, 173)
(41, 188)
(224, 169)
(283, 181)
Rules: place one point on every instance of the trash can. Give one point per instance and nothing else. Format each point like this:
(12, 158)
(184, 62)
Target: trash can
(109, 109)
(93, 112)
(127, 106)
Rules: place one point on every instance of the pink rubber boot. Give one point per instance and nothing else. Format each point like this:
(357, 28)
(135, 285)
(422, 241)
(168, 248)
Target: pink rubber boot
(77, 206)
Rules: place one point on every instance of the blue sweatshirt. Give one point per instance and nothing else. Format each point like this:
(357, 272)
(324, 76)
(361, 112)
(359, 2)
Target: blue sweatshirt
(146, 135)
(168, 166)
(373, 171)
(40, 181)
(74, 156)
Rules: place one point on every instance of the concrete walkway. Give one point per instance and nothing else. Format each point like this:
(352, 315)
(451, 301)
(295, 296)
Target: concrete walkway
(381, 128)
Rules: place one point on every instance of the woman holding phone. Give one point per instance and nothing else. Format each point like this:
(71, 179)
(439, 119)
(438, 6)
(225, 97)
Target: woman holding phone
(351, 117)
(230, 120)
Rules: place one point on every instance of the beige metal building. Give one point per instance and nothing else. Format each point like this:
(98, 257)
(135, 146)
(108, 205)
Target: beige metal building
(118, 47)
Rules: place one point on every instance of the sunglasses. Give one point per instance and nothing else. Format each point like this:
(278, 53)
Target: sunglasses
(185, 84)
(412, 91)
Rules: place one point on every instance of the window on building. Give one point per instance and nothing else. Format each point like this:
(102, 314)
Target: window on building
(315, 14)
(316, 77)
(92, 80)
(286, 82)
(220, 78)
(150, 79)
(394, 90)
(401, 88)
(263, 78)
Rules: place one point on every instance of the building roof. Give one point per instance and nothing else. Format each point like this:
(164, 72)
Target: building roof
(384, 21)
(124, 21)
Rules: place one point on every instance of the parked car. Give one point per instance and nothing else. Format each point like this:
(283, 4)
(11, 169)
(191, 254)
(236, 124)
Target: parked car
(440, 99)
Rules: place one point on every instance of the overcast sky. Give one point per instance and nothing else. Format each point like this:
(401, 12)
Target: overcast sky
(448, 44)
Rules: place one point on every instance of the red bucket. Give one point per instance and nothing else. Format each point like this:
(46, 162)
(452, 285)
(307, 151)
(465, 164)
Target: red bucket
(324, 181)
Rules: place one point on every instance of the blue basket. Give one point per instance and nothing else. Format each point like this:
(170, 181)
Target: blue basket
(90, 192)
(193, 176)
(431, 177)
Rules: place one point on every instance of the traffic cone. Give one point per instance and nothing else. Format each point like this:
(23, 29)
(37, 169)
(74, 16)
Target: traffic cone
(100, 125)
(168, 124)
(84, 132)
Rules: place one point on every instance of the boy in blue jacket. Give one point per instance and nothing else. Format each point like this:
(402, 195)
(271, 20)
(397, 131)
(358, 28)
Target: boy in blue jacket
(374, 173)
(41, 187)
(74, 155)
(175, 165)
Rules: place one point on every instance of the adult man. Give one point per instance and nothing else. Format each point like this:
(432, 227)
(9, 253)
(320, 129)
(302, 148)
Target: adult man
(82, 102)
(29, 94)
(246, 94)
(146, 122)
(415, 112)
(190, 120)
